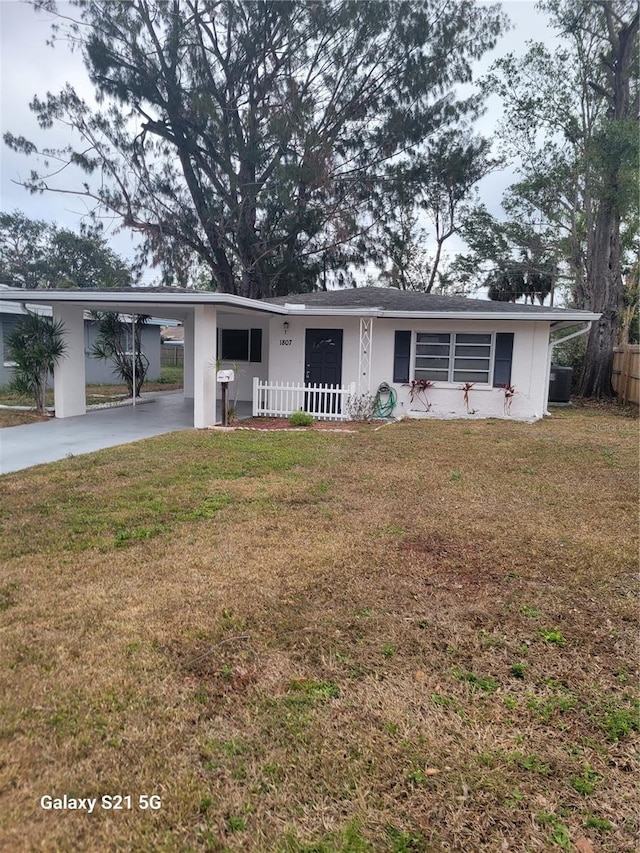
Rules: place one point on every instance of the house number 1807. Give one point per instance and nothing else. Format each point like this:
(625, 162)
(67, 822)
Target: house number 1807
(285, 342)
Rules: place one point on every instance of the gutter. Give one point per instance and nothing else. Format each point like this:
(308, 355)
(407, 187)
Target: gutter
(552, 345)
(491, 316)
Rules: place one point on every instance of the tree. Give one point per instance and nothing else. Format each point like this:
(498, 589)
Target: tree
(512, 259)
(118, 344)
(79, 260)
(438, 186)
(257, 135)
(35, 345)
(523, 279)
(36, 254)
(22, 241)
(616, 144)
(571, 118)
(630, 333)
(404, 248)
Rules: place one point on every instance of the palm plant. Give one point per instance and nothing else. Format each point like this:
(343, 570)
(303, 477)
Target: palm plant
(35, 346)
(114, 344)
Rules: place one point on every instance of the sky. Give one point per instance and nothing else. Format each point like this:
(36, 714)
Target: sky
(29, 67)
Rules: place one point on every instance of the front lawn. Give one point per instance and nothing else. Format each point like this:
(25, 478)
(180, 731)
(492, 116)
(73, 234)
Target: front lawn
(420, 638)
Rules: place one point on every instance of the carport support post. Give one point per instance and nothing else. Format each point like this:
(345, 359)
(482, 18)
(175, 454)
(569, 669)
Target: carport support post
(69, 374)
(204, 366)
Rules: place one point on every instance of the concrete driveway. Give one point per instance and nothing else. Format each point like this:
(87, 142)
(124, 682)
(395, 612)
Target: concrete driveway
(47, 441)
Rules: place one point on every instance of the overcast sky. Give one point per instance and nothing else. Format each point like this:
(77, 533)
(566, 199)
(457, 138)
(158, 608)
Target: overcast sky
(29, 67)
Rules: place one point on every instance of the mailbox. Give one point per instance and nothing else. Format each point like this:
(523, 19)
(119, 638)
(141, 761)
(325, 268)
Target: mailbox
(225, 376)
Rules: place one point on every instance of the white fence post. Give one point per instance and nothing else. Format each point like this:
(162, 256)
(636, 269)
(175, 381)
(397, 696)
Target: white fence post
(254, 409)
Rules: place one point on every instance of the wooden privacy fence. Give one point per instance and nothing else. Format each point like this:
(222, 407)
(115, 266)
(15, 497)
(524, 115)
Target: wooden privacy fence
(171, 355)
(626, 373)
(280, 399)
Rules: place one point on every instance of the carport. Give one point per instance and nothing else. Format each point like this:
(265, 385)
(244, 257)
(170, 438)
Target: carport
(198, 311)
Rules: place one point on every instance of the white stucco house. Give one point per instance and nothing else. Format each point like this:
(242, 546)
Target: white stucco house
(354, 340)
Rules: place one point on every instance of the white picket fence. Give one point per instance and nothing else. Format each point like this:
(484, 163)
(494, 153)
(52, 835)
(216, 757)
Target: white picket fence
(280, 399)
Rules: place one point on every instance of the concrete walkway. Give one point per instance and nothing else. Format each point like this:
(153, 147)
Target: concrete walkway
(47, 441)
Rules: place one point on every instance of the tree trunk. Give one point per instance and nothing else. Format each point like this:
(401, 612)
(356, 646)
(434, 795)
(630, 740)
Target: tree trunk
(41, 391)
(607, 299)
(604, 268)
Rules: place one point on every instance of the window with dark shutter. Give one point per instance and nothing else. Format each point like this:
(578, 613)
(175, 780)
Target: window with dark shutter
(402, 356)
(503, 359)
(240, 345)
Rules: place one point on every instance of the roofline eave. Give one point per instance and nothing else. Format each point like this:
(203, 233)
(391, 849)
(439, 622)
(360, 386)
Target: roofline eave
(186, 300)
(155, 301)
(551, 317)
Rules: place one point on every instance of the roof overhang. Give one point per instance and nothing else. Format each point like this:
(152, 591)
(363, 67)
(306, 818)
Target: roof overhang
(550, 316)
(173, 306)
(177, 305)
(569, 323)
(562, 316)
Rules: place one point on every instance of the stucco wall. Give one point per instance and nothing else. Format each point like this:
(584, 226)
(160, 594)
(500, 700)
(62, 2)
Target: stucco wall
(286, 363)
(97, 372)
(246, 370)
(5, 370)
(102, 372)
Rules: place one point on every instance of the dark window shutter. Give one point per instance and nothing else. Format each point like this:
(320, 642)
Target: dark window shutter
(255, 352)
(504, 356)
(402, 357)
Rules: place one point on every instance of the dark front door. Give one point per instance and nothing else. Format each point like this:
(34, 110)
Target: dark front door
(323, 366)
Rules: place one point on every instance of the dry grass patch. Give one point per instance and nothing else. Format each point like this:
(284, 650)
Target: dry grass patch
(13, 417)
(170, 380)
(416, 639)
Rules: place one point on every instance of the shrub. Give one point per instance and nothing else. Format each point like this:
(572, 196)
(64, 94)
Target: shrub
(36, 346)
(572, 354)
(115, 343)
(301, 419)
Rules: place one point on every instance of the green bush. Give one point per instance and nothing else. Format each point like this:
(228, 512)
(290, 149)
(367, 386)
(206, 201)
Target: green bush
(572, 354)
(301, 419)
(36, 345)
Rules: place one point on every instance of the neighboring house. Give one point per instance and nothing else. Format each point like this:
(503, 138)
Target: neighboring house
(359, 338)
(97, 372)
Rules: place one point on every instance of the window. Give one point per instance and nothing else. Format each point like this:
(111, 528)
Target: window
(240, 344)
(234, 344)
(453, 357)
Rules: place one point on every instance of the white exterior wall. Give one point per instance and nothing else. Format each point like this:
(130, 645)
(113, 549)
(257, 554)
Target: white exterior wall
(102, 372)
(528, 372)
(242, 388)
(96, 372)
(6, 371)
(286, 360)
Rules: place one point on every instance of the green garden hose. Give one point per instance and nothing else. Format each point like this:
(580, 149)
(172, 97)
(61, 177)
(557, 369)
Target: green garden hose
(385, 408)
